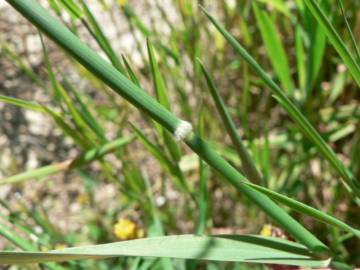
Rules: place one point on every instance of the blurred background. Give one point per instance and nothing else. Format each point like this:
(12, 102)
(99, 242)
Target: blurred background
(148, 185)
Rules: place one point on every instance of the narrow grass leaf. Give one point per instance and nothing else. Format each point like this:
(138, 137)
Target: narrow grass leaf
(305, 209)
(317, 46)
(81, 160)
(28, 105)
(300, 60)
(335, 39)
(72, 8)
(161, 93)
(100, 37)
(170, 166)
(5, 48)
(353, 40)
(84, 112)
(130, 72)
(248, 163)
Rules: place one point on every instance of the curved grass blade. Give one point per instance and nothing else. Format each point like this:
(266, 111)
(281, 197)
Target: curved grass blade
(349, 181)
(135, 95)
(235, 248)
(335, 39)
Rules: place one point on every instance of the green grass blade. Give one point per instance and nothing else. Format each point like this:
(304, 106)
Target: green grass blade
(316, 53)
(300, 60)
(28, 105)
(62, 95)
(170, 166)
(274, 48)
(236, 248)
(161, 93)
(334, 39)
(100, 37)
(279, 5)
(84, 112)
(353, 40)
(135, 20)
(6, 49)
(124, 87)
(306, 209)
(203, 190)
(349, 181)
(22, 243)
(130, 72)
(81, 160)
(72, 8)
(248, 164)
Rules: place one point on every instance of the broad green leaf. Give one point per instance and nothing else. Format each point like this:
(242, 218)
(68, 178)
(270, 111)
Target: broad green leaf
(235, 248)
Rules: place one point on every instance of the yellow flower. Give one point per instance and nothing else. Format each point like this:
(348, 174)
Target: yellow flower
(125, 229)
(266, 230)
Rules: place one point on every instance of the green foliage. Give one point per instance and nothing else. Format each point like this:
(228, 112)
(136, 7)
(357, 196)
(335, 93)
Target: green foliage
(243, 153)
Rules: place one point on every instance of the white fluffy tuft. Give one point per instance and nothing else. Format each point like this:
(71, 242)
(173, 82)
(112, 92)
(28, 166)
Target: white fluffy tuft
(183, 130)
